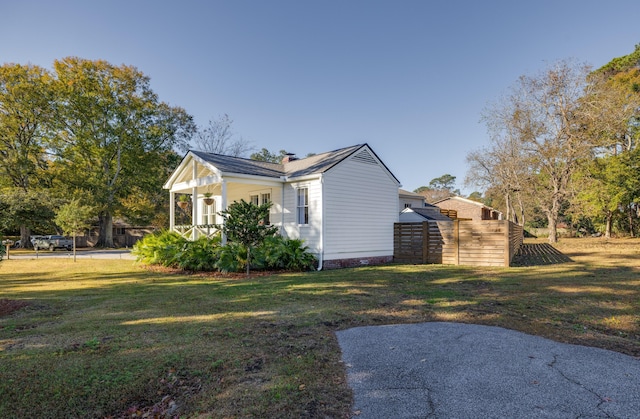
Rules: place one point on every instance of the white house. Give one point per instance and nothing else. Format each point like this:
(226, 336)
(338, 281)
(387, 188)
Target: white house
(411, 200)
(342, 203)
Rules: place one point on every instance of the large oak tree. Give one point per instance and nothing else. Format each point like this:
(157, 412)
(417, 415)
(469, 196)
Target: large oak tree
(113, 135)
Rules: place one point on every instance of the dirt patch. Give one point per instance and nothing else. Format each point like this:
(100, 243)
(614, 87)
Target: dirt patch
(9, 306)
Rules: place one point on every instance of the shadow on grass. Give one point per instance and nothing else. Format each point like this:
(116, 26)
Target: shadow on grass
(535, 254)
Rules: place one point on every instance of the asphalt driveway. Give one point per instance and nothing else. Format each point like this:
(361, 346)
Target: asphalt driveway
(452, 370)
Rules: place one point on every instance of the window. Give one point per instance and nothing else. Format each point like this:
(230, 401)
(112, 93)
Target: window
(266, 198)
(407, 205)
(208, 213)
(119, 231)
(303, 206)
(261, 198)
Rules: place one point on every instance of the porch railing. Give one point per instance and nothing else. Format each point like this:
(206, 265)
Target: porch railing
(187, 231)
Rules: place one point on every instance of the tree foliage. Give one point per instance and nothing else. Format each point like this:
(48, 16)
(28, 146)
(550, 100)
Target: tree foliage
(112, 132)
(503, 167)
(538, 139)
(565, 142)
(244, 224)
(268, 156)
(607, 185)
(439, 188)
(73, 218)
(25, 114)
(19, 208)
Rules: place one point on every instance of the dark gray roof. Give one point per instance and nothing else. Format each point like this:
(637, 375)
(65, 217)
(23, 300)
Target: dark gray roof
(431, 214)
(230, 164)
(318, 163)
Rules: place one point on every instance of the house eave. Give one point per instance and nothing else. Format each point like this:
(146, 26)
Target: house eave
(227, 177)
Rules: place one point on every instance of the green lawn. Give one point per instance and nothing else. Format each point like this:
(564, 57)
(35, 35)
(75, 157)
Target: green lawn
(110, 338)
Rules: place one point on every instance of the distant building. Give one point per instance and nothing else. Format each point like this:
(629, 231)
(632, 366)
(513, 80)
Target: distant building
(411, 200)
(427, 213)
(468, 209)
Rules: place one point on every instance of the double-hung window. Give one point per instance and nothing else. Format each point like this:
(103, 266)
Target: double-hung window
(208, 213)
(261, 199)
(303, 206)
(265, 198)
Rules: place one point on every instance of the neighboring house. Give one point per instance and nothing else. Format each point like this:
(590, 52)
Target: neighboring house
(410, 200)
(468, 209)
(427, 213)
(124, 234)
(342, 203)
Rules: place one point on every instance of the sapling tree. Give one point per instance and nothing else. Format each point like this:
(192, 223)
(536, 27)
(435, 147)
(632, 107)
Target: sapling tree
(73, 218)
(244, 224)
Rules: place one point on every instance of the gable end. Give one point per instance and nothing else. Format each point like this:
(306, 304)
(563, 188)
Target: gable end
(365, 157)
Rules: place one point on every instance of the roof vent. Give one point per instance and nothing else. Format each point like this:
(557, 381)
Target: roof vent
(365, 157)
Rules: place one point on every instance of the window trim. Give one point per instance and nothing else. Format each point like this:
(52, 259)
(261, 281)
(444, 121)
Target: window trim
(302, 208)
(259, 200)
(208, 211)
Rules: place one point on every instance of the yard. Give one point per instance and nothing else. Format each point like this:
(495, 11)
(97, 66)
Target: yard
(111, 338)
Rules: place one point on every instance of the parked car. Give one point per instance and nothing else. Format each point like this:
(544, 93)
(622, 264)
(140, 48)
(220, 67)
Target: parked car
(53, 242)
(34, 238)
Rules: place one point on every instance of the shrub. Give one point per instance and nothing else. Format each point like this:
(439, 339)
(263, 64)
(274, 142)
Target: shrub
(199, 255)
(172, 250)
(289, 254)
(232, 258)
(160, 248)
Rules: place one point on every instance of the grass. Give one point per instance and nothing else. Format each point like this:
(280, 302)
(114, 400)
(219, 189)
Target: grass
(111, 338)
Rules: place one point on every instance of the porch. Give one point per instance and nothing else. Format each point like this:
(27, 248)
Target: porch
(199, 191)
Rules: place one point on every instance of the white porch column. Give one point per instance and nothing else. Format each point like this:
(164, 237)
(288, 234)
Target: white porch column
(223, 206)
(194, 201)
(194, 212)
(172, 210)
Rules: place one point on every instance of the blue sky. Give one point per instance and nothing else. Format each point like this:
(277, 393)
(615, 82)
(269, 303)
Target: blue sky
(410, 78)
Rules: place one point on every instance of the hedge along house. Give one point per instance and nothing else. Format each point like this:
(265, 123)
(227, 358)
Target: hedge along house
(342, 203)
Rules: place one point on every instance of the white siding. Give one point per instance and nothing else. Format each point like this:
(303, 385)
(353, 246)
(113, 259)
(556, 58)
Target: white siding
(410, 202)
(238, 191)
(360, 209)
(311, 232)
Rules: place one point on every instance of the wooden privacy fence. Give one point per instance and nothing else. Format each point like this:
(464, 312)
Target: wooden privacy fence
(457, 242)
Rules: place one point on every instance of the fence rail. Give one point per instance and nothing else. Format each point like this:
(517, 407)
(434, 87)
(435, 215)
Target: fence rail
(457, 242)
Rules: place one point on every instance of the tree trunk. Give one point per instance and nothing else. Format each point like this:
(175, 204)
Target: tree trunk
(248, 259)
(553, 228)
(25, 237)
(521, 205)
(552, 221)
(607, 224)
(105, 239)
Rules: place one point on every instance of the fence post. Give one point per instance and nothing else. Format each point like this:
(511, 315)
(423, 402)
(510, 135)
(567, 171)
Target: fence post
(425, 242)
(456, 241)
(507, 243)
